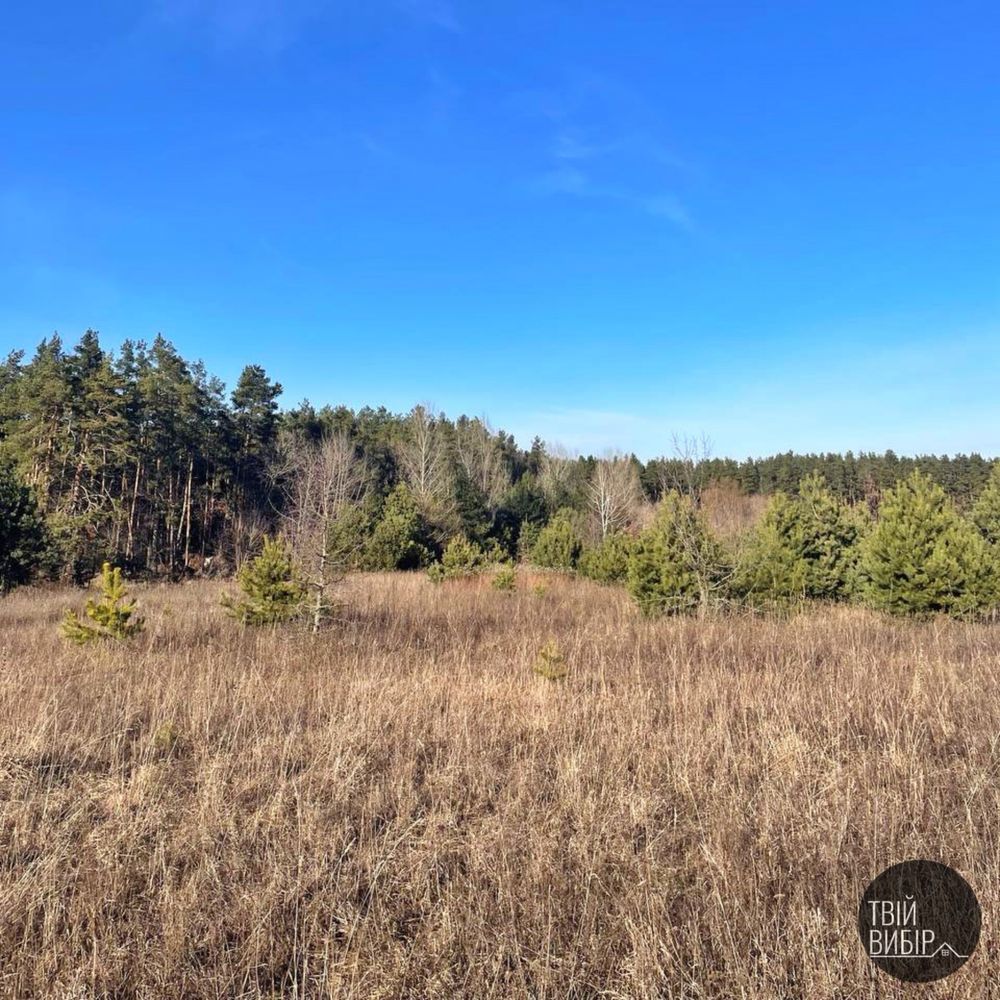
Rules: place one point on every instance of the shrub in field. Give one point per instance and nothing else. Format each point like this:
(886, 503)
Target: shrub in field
(923, 557)
(397, 541)
(805, 546)
(559, 543)
(527, 538)
(348, 535)
(461, 557)
(608, 562)
(111, 617)
(986, 510)
(270, 589)
(675, 564)
(550, 662)
(505, 579)
(167, 739)
(22, 532)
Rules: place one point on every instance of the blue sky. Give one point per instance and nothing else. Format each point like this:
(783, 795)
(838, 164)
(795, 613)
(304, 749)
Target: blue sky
(777, 225)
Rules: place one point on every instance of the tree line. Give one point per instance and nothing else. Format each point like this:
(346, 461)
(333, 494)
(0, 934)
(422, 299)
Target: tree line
(140, 458)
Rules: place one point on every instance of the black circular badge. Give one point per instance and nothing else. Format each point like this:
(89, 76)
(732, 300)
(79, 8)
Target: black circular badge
(919, 921)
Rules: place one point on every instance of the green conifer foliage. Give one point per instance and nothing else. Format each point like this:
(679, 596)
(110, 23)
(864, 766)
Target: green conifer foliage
(270, 588)
(608, 562)
(560, 543)
(23, 537)
(675, 564)
(986, 511)
(397, 542)
(804, 547)
(111, 617)
(922, 557)
(461, 557)
(550, 662)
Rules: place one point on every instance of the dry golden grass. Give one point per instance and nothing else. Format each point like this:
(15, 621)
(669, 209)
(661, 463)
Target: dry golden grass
(402, 807)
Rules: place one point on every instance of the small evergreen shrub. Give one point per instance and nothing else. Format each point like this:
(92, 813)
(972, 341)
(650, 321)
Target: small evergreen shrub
(608, 562)
(922, 557)
(505, 579)
(347, 537)
(550, 663)
(111, 617)
(461, 557)
(436, 573)
(398, 538)
(804, 547)
(526, 539)
(168, 739)
(675, 564)
(270, 589)
(559, 543)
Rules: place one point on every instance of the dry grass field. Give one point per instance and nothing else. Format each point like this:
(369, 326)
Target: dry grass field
(400, 807)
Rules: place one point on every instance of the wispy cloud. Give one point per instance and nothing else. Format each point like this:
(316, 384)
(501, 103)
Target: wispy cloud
(603, 144)
(572, 181)
(266, 25)
(669, 207)
(568, 145)
(438, 13)
(564, 180)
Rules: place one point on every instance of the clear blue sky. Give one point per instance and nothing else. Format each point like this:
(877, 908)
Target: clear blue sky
(774, 224)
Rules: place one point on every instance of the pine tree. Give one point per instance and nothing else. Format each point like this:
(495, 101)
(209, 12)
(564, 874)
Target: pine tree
(398, 540)
(271, 590)
(608, 562)
(23, 536)
(560, 542)
(923, 557)
(111, 617)
(675, 564)
(804, 547)
(986, 511)
(550, 662)
(461, 557)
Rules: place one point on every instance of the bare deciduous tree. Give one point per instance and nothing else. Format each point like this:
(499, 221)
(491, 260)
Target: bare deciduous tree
(319, 481)
(556, 475)
(480, 458)
(423, 457)
(684, 473)
(614, 493)
(701, 552)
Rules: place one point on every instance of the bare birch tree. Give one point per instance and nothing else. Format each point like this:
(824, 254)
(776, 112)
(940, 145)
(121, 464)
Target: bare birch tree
(684, 473)
(556, 475)
(702, 554)
(480, 458)
(424, 460)
(320, 481)
(614, 493)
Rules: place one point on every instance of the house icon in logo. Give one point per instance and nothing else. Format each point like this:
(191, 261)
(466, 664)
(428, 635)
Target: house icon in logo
(946, 951)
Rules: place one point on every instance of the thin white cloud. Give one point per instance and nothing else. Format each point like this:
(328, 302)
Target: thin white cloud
(569, 146)
(439, 13)
(571, 181)
(564, 180)
(265, 25)
(603, 146)
(669, 207)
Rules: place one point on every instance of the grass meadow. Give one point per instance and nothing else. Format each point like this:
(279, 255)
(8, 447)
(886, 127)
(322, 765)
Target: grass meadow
(401, 807)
